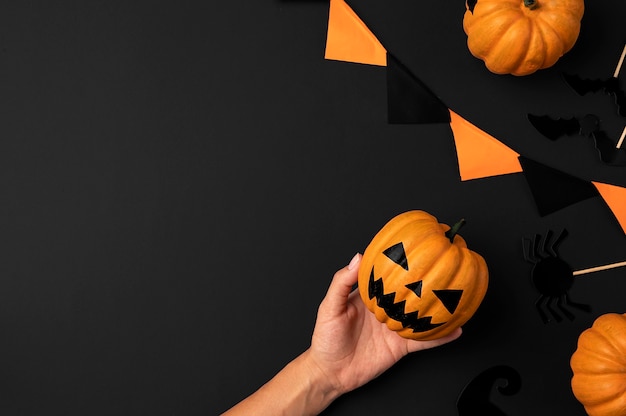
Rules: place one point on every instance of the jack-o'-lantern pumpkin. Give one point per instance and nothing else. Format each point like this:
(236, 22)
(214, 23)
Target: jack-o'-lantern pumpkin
(599, 366)
(419, 278)
(520, 37)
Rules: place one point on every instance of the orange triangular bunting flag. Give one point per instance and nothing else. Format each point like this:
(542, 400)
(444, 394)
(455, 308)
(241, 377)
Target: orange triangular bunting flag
(615, 198)
(480, 154)
(349, 39)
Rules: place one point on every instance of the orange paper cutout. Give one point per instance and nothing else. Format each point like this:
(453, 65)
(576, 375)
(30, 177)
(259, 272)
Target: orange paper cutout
(480, 154)
(615, 198)
(349, 39)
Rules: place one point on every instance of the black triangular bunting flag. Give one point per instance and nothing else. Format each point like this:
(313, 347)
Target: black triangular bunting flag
(409, 100)
(553, 189)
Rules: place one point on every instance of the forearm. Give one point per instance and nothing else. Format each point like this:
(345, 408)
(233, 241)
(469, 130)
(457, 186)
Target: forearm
(299, 389)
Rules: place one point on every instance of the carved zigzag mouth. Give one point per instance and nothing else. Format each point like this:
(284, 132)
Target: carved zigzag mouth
(396, 311)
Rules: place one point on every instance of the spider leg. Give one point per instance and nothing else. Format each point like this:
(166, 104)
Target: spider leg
(581, 306)
(555, 245)
(530, 247)
(539, 303)
(556, 316)
(545, 242)
(559, 304)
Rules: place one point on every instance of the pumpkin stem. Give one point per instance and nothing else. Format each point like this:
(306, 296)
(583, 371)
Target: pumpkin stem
(531, 4)
(452, 232)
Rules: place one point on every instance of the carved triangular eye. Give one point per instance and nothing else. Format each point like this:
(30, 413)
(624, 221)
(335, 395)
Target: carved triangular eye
(416, 287)
(397, 255)
(450, 298)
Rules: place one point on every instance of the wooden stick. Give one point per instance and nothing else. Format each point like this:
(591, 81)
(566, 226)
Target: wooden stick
(619, 64)
(600, 268)
(621, 139)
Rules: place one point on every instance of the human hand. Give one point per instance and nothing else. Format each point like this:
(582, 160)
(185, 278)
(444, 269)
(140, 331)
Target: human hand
(349, 348)
(349, 345)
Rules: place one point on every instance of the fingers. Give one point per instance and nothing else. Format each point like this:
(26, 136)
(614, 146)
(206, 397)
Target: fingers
(423, 345)
(340, 287)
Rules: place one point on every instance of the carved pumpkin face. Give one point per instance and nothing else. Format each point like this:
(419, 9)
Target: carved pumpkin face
(419, 281)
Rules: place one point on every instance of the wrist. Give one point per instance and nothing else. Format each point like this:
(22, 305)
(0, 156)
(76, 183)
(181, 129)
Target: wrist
(322, 387)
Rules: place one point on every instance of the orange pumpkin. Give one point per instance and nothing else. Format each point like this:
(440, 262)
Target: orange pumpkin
(419, 278)
(599, 366)
(520, 37)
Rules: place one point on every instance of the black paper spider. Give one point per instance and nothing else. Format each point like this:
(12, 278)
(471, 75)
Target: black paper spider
(551, 276)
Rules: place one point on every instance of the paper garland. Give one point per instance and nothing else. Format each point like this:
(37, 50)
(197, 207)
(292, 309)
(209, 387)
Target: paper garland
(479, 154)
(409, 100)
(553, 189)
(615, 197)
(349, 39)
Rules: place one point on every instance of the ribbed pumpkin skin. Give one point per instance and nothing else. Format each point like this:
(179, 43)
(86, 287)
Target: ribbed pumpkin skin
(434, 260)
(514, 39)
(599, 367)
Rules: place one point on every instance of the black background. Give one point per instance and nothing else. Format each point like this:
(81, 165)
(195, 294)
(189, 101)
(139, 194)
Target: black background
(180, 180)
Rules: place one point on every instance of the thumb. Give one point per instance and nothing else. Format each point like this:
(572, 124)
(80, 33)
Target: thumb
(341, 286)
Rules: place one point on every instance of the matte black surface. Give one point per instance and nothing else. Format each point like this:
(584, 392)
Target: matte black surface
(180, 180)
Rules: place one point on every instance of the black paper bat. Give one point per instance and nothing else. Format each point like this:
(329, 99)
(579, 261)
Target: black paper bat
(609, 85)
(588, 126)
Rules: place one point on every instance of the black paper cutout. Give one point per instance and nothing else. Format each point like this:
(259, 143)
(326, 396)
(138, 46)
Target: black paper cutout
(554, 129)
(551, 276)
(396, 310)
(588, 126)
(409, 100)
(475, 397)
(450, 298)
(397, 255)
(610, 86)
(416, 288)
(553, 189)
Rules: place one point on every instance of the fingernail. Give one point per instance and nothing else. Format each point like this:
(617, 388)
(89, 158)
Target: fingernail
(354, 262)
